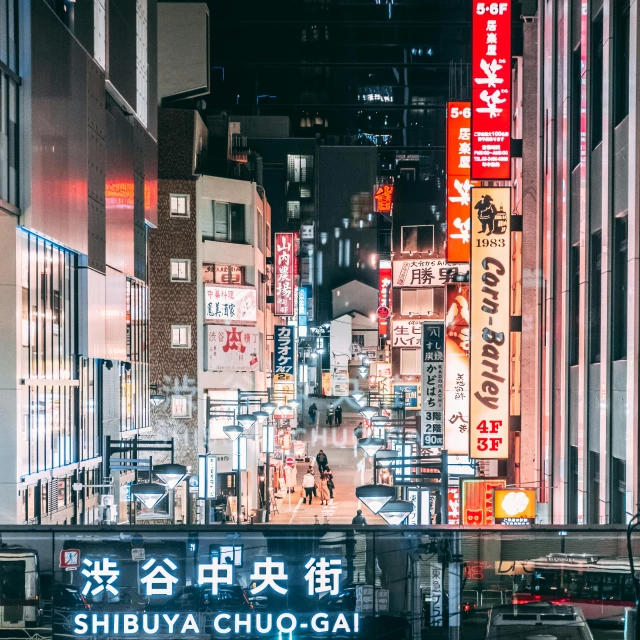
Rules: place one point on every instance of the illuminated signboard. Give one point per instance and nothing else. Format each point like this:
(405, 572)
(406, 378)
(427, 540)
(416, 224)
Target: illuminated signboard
(229, 304)
(283, 351)
(514, 506)
(384, 296)
(383, 197)
(456, 369)
(426, 273)
(207, 476)
(477, 499)
(458, 181)
(410, 392)
(159, 577)
(432, 384)
(490, 318)
(491, 91)
(232, 348)
(453, 494)
(303, 310)
(406, 333)
(285, 265)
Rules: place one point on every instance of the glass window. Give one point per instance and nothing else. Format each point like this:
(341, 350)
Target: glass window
(409, 362)
(595, 296)
(221, 221)
(418, 238)
(180, 270)
(574, 305)
(180, 406)
(179, 206)
(293, 210)
(619, 309)
(621, 33)
(180, 336)
(576, 97)
(299, 168)
(597, 78)
(416, 302)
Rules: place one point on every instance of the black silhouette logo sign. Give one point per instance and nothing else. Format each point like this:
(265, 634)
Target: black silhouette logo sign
(492, 219)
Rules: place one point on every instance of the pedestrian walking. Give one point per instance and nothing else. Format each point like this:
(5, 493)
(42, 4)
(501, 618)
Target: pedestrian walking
(358, 431)
(324, 489)
(338, 415)
(330, 484)
(321, 460)
(308, 484)
(330, 414)
(359, 518)
(313, 409)
(313, 473)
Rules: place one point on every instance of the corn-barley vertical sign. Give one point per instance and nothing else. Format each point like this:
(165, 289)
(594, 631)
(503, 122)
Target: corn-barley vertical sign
(490, 317)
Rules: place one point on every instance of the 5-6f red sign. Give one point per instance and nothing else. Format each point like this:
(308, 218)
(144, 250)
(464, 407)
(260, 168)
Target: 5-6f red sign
(491, 91)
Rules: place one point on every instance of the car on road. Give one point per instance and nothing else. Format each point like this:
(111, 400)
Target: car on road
(537, 621)
(66, 600)
(201, 600)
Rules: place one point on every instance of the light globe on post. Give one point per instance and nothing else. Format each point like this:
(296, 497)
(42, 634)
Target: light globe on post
(156, 398)
(149, 493)
(368, 411)
(396, 511)
(375, 496)
(357, 396)
(371, 446)
(294, 402)
(286, 409)
(232, 431)
(170, 474)
(262, 416)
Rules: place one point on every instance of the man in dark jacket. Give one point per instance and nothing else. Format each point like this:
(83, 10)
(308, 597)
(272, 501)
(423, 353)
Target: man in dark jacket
(359, 518)
(321, 460)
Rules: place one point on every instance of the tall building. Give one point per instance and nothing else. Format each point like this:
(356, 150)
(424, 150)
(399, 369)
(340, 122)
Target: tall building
(78, 176)
(581, 257)
(211, 325)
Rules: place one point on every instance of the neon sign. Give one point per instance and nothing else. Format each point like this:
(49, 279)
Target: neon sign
(222, 624)
(384, 198)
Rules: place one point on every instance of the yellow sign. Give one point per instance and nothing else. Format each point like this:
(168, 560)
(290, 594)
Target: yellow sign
(326, 383)
(514, 506)
(490, 317)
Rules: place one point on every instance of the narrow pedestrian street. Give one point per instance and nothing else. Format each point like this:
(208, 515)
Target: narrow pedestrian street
(348, 463)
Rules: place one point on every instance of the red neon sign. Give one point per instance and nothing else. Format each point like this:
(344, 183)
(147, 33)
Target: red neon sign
(491, 91)
(477, 500)
(384, 198)
(284, 275)
(459, 181)
(384, 299)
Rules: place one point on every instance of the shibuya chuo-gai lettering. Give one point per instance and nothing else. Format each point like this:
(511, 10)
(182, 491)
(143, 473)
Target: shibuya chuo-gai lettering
(158, 577)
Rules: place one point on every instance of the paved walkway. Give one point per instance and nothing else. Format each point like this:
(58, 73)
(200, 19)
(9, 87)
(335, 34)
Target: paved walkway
(348, 463)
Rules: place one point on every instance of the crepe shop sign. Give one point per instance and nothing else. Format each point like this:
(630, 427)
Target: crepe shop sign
(218, 625)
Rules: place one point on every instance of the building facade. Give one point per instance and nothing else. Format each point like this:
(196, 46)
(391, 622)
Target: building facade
(581, 258)
(211, 327)
(77, 193)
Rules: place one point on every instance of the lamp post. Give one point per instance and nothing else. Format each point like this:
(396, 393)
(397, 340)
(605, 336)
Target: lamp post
(240, 464)
(171, 475)
(269, 436)
(234, 433)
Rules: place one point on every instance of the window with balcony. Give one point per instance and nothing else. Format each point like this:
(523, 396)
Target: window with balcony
(224, 223)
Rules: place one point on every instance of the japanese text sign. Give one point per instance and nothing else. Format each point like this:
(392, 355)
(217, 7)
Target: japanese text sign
(456, 369)
(384, 296)
(477, 499)
(432, 384)
(490, 320)
(453, 494)
(426, 273)
(458, 181)
(283, 337)
(233, 348)
(491, 91)
(406, 333)
(437, 601)
(383, 197)
(229, 304)
(284, 274)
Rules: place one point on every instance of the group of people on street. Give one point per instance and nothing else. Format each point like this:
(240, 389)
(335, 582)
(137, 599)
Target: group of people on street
(326, 485)
(333, 414)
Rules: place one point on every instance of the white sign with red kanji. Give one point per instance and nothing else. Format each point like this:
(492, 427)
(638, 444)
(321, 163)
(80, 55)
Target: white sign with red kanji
(284, 262)
(233, 348)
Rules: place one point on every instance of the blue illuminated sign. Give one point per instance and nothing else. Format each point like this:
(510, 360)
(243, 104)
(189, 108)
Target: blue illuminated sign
(283, 336)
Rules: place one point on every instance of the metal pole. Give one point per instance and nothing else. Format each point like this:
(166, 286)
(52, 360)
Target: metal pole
(444, 484)
(207, 503)
(239, 501)
(267, 475)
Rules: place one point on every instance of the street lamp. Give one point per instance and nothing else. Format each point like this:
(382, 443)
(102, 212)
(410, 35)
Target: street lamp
(371, 446)
(149, 493)
(368, 412)
(170, 474)
(156, 398)
(375, 496)
(294, 402)
(269, 407)
(396, 511)
(357, 396)
(232, 431)
(247, 420)
(386, 457)
(286, 409)
(262, 416)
